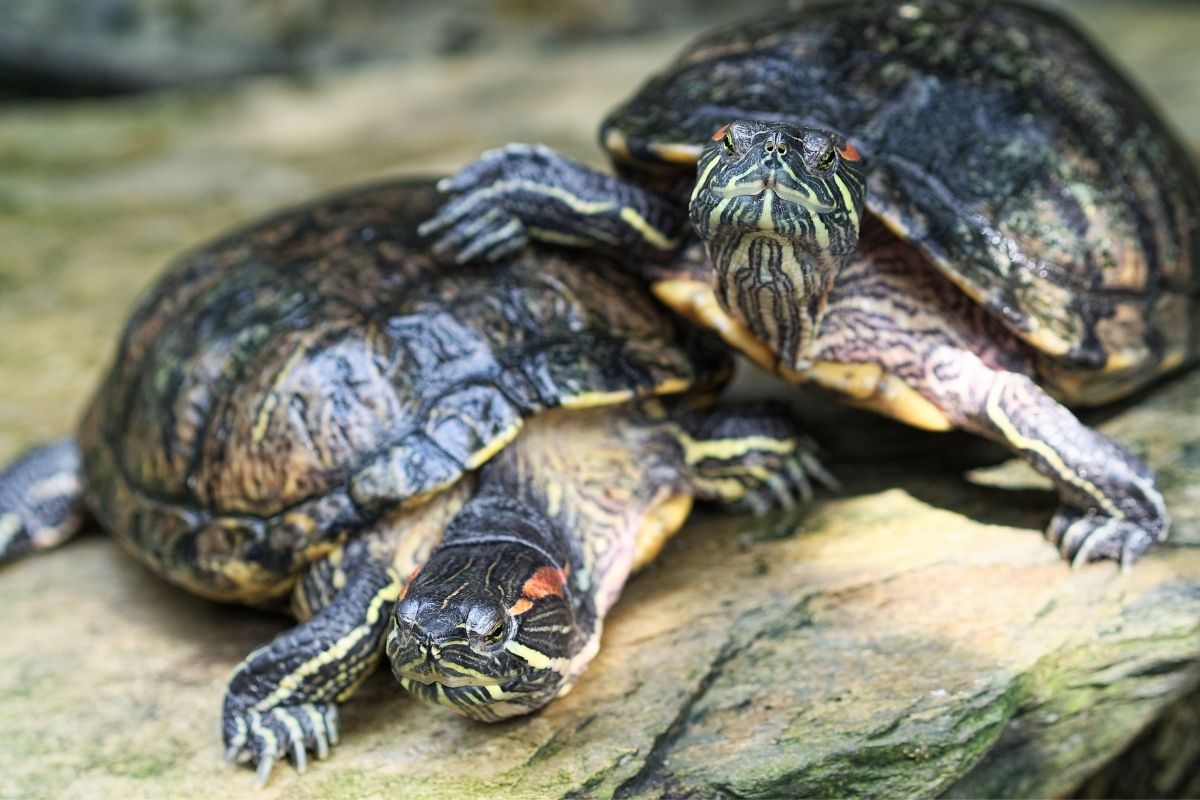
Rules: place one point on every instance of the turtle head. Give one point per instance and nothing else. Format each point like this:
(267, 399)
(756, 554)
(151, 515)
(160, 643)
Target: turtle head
(486, 626)
(778, 207)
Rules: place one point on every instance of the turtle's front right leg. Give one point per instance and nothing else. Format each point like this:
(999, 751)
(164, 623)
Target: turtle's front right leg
(1112, 507)
(520, 192)
(282, 699)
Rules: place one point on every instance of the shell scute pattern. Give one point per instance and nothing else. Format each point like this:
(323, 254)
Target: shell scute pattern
(997, 140)
(292, 383)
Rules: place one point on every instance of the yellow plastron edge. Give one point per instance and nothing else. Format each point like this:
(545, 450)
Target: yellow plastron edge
(864, 385)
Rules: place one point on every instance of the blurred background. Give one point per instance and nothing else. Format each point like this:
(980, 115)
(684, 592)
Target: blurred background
(74, 48)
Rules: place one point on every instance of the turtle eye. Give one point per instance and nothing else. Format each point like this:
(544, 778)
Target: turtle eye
(486, 629)
(825, 162)
(496, 633)
(727, 141)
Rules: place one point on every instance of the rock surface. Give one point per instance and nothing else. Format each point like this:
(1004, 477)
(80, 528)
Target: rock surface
(912, 636)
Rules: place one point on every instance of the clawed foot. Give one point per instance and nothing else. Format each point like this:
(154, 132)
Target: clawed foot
(263, 737)
(1085, 536)
(790, 485)
(482, 220)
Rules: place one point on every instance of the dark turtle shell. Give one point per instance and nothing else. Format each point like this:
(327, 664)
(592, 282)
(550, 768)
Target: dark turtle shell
(997, 139)
(319, 369)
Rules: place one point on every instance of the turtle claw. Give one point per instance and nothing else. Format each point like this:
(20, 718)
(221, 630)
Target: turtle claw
(814, 470)
(299, 757)
(792, 486)
(263, 773)
(476, 226)
(483, 220)
(1086, 536)
(495, 244)
(263, 738)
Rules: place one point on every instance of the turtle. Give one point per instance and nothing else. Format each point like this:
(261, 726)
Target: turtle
(454, 468)
(953, 212)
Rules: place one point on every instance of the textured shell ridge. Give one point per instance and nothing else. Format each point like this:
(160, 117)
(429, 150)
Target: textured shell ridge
(998, 140)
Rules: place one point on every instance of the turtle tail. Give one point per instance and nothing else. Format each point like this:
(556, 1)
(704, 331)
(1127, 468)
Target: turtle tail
(41, 499)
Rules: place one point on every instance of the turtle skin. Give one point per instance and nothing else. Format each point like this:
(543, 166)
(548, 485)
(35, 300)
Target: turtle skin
(1004, 168)
(291, 382)
(315, 409)
(999, 141)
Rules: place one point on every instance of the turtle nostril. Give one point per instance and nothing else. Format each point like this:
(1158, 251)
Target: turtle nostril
(769, 146)
(782, 149)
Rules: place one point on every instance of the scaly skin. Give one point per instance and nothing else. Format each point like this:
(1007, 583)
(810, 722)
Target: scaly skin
(503, 611)
(1025, 177)
(41, 503)
(307, 406)
(892, 308)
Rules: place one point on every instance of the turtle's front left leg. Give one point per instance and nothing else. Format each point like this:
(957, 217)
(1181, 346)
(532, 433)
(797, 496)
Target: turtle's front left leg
(282, 699)
(521, 192)
(41, 499)
(1112, 507)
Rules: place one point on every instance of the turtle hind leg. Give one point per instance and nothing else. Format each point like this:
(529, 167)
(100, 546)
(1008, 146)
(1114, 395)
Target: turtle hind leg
(41, 499)
(1112, 507)
(750, 457)
(282, 699)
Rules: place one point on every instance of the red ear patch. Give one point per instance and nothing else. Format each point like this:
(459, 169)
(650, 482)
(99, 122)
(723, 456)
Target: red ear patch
(412, 577)
(850, 152)
(716, 137)
(520, 607)
(546, 581)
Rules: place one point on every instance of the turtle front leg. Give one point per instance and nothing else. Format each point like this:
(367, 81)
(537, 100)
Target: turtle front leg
(748, 458)
(282, 699)
(521, 192)
(41, 499)
(1112, 507)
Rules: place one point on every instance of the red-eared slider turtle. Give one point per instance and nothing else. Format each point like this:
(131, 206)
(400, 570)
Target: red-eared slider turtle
(956, 213)
(302, 409)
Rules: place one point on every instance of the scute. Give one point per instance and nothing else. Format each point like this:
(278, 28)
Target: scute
(997, 139)
(319, 369)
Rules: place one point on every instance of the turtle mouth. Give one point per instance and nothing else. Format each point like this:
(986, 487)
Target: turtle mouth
(770, 185)
(455, 681)
(431, 674)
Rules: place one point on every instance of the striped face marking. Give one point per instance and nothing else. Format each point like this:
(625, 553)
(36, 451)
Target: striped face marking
(778, 207)
(486, 628)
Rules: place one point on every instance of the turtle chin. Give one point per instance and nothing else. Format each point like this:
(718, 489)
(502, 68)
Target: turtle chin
(484, 631)
(778, 207)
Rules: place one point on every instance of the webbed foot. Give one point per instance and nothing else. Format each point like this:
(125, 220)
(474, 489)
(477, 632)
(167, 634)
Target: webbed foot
(1111, 505)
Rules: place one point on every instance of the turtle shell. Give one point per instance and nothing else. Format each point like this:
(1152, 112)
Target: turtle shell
(997, 140)
(320, 369)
